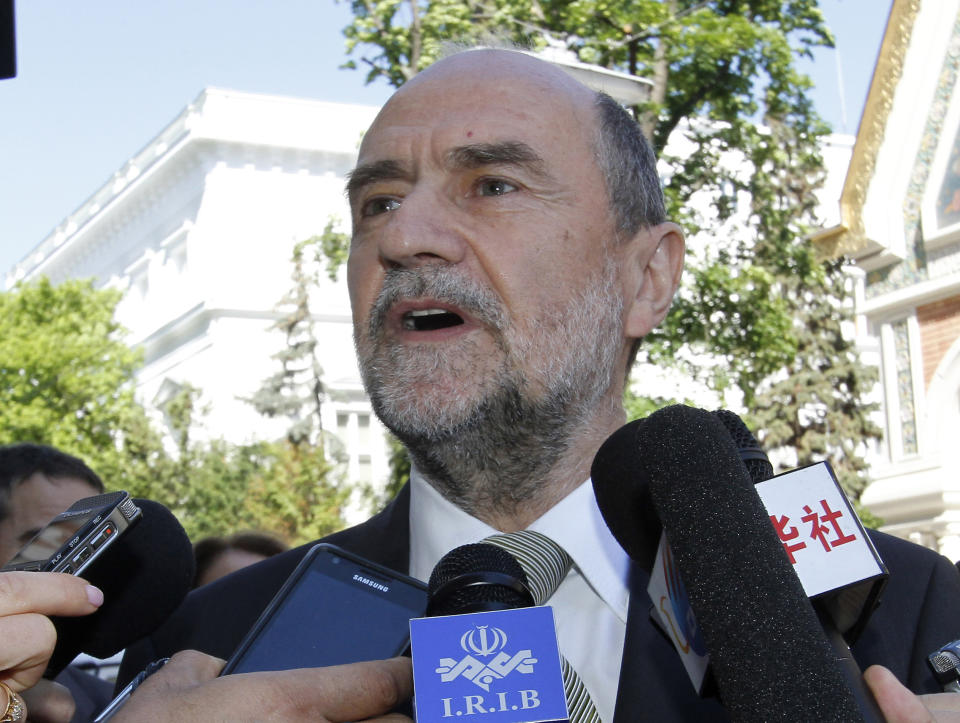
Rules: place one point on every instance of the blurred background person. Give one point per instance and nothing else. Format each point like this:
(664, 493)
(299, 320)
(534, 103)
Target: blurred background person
(218, 556)
(37, 483)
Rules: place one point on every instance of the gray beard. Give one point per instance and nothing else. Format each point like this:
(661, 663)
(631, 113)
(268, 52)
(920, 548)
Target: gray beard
(492, 451)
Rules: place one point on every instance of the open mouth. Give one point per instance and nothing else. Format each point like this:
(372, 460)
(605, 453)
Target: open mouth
(430, 320)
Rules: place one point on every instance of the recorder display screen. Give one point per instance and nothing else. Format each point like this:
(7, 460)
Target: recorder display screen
(52, 538)
(326, 621)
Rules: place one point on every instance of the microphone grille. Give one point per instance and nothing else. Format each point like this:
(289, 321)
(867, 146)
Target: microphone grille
(476, 577)
(749, 449)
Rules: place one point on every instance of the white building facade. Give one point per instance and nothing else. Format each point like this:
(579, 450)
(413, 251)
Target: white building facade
(900, 223)
(198, 229)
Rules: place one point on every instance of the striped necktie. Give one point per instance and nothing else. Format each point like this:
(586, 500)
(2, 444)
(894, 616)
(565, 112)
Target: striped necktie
(546, 564)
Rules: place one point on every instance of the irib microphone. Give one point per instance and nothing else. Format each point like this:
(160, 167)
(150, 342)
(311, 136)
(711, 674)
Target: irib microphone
(486, 648)
(769, 656)
(144, 577)
(477, 578)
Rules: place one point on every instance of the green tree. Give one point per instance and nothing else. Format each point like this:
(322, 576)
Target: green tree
(67, 379)
(215, 487)
(297, 494)
(738, 140)
(302, 492)
(815, 405)
(296, 390)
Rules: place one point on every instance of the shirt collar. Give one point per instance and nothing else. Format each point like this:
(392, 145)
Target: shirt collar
(438, 526)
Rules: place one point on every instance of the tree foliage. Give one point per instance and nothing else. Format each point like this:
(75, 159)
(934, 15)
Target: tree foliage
(296, 390)
(215, 487)
(739, 146)
(304, 493)
(67, 379)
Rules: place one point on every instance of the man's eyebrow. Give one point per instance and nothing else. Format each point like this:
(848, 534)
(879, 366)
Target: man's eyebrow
(509, 153)
(367, 173)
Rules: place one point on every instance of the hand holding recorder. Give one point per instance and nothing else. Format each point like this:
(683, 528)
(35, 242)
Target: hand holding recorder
(28, 635)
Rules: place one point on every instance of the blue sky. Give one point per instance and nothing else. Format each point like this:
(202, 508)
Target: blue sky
(98, 79)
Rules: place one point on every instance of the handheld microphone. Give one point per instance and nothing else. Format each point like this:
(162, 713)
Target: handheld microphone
(751, 453)
(477, 578)
(486, 648)
(144, 578)
(768, 653)
(846, 600)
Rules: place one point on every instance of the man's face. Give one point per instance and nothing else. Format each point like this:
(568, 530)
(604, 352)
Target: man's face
(33, 503)
(483, 261)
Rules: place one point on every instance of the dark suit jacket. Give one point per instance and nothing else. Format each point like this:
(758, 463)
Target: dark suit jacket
(90, 693)
(916, 616)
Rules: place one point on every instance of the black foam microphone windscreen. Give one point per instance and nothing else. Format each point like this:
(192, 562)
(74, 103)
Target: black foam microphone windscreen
(144, 577)
(622, 489)
(770, 658)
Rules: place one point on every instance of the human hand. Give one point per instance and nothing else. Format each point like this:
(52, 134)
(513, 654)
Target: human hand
(187, 688)
(28, 635)
(49, 702)
(900, 705)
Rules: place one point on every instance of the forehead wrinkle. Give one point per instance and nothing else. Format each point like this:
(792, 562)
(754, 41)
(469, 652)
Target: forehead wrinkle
(509, 153)
(366, 174)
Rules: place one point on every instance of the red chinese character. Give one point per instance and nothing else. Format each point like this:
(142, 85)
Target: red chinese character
(818, 531)
(785, 535)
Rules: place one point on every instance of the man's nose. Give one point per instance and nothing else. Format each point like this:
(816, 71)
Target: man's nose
(424, 230)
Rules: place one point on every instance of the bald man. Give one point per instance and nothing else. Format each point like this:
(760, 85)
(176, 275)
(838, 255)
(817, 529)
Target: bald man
(510, 250)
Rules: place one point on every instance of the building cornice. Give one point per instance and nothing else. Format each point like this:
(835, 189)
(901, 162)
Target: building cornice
(851, 239)
(897, 302)
(228, 118)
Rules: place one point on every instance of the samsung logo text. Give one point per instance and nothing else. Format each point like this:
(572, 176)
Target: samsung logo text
(371, 583)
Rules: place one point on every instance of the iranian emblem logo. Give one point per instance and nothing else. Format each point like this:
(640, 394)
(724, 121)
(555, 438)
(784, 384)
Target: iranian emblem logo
(485, 641)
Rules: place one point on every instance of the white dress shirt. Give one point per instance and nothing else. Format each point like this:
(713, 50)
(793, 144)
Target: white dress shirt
(590, 606)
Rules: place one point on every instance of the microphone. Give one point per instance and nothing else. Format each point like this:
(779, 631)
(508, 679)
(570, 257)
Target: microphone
(751, 453)
(477, 578)
(485, 647)
(846, 600)
(768, 653)
(144, 577)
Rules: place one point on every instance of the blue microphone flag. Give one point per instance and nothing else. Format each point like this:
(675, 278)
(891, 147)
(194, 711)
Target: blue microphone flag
(503, 664)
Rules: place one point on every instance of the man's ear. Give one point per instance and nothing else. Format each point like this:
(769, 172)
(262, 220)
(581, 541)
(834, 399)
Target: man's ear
(658, 251)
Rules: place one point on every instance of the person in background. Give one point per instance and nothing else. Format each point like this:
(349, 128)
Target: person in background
(218, 556)
(37, 483)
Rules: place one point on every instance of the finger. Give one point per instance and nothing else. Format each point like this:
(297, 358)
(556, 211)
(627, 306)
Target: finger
(28, 642)
(336, 694)
(49, 593)
(355, 691)
(185, 669)
(898, 704)
(14, 708)
(49, 702)
(943, 707)
(171, 693)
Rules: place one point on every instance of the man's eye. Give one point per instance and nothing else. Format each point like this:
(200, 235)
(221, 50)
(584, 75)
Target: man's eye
(495, 187)
(376, 206)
